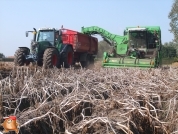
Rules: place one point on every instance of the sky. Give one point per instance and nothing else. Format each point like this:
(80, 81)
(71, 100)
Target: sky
(18, 16)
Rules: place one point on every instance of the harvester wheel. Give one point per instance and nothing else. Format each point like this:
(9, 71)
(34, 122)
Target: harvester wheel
(51, 58)
(68, 57)
(19, 57)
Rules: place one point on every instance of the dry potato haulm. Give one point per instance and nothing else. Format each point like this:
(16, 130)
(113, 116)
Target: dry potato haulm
(95, 101)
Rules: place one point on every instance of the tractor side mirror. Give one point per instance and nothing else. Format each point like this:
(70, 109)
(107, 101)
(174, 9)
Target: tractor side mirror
(26, 33)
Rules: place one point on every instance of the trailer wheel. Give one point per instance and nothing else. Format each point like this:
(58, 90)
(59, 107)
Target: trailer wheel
(87, 62)
(92, 60)
(68, 57)
(51, 58)
(19, 57)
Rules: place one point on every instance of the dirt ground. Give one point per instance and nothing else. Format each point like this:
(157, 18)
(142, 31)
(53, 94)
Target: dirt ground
(97, 64)
(105, 85)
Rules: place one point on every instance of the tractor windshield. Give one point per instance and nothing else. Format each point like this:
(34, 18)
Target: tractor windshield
(137, 39)
(46, 35)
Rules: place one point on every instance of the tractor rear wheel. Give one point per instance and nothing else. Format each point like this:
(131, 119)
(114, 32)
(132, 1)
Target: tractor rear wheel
(51, 58)
(68, 57)
(19, 57)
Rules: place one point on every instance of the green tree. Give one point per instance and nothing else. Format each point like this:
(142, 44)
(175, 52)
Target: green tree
(169, 50)
(173, 16)
(2, 55)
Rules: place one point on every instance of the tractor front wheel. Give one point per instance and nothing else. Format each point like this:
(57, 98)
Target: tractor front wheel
(19, 57)
(51, 58)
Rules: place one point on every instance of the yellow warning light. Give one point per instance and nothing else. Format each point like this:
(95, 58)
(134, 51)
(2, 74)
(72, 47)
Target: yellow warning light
(34, 32)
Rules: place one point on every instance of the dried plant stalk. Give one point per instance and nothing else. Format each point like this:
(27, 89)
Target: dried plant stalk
(124, 101)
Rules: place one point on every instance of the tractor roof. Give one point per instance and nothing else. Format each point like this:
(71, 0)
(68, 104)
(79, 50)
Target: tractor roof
(47, 28)
(149, 28)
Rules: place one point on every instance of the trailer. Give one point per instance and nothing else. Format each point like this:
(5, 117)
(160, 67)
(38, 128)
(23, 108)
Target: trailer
(85, 47)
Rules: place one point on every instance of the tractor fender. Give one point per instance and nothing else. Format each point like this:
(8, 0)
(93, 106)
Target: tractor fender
(64, 48)
(26, 48)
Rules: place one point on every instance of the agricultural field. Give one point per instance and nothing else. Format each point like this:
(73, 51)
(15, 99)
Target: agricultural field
(91, 101)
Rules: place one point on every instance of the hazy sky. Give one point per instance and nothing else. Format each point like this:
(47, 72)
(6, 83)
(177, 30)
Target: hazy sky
(17, 16)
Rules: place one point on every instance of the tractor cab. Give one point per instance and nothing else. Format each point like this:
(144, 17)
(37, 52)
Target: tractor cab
(137, 38)
(46, 35)
(142, 42)
(43, 38)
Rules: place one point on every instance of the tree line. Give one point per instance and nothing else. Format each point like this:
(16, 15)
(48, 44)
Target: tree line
(169, 50)
(2, 55)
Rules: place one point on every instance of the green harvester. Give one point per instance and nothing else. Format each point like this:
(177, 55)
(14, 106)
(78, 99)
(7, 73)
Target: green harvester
(140, 46)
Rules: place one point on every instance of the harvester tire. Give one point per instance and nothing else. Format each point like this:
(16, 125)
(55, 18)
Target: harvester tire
(19, 57)
(68, 57)
(50, 58)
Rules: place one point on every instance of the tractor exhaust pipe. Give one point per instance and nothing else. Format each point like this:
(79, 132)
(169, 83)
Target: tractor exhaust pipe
(34, 37)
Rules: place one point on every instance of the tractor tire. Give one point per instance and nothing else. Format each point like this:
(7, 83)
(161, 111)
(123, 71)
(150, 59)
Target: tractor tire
(50, 58)
(19, 57)
(68, 57)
